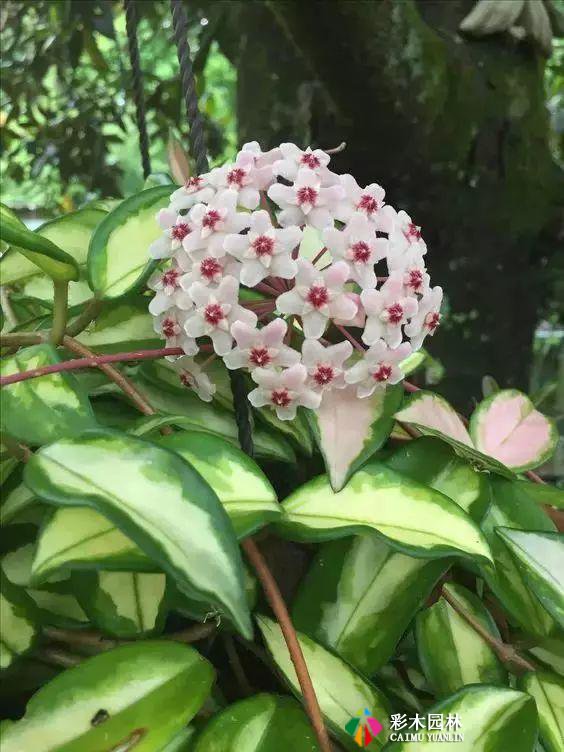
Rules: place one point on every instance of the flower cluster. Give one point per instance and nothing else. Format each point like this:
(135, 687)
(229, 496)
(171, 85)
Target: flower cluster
(235, 285)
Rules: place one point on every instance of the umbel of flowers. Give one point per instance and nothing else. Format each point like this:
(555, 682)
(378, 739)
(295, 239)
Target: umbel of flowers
(235, 285)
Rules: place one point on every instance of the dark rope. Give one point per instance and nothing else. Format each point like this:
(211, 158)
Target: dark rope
(137, 82)
(242, 412)
(195, 120)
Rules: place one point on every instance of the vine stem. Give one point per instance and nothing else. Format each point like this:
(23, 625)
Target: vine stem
(506, 653)
(279, 609)
(60, 303)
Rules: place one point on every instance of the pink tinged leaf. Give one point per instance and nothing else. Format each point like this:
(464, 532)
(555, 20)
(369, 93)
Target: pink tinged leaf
(427, 410)
(177, 160)
(506, 426)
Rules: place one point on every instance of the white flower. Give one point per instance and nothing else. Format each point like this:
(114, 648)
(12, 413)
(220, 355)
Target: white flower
(168, 286)
(405, 234)
(170, 325)
(427, 318)
(411, 265)
(264, 250)
(207, 269)
(195, 190)
(386, 310)
(192, 376)
(215, 311)
(325, 364)
(318, 296)
(176, 229)
(359, 318)
(369, 201)
(262, 158)
(260, 348)
(284, 391)
(294, 159)
(378, 367)
(306, 201)
(244, 177)
(359, 246)
(213, 222)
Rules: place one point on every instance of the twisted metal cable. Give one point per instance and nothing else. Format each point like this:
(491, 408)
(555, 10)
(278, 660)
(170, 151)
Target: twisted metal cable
(195, 120)
(242, 412)
(137, 84)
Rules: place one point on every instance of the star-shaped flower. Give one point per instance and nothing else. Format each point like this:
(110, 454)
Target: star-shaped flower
(176, 229)
(358, 245)
(427, 319)
(215, 311)
(285, 391)
(294, 159)
(260, 348)
(195, 190)
(377, 368)
(368, 201)
(306, 201)
(169, 293)
(192, 376)
(405, 234)
(387, 309)
(170, 325)
(264, 251)
(325, 365)
(318, 296)
(213, 222)
(245, 178)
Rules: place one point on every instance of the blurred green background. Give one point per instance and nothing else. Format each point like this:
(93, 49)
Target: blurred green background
(465, 130)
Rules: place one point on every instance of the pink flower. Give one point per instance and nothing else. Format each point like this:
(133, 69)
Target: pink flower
(169, 293)
(213, 222)
(170, 325)
(317, 297)
(387, 309)
(264, 251)
(377, 368)
(195, 190)
(176, 229)
(358, 245)
(368, 201)
(325, 365)
(244, 177)
(215, 311)
(260, 348)
(262, 158)
(427, 319)
(208, 270)
(285, 391)
(405, 234)
(192, 376)
(294, 159)
(306, 201)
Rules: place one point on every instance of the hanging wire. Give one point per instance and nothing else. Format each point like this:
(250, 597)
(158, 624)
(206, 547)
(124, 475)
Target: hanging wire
(137, 84)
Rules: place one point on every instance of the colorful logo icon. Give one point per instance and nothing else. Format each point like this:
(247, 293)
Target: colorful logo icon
(363, 728)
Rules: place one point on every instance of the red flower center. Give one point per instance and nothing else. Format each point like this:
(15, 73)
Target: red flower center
(211, 218)
(413, 233)
(383, 372)
(324, 374)
(259, 356)
(318, 296)
(432, 320)
(280, 397)
(180, 231)
(394, 313)
(236, 176)
(368, 204)
(310, 160)
(213, 313)
(192, 184)
(414, 279)
(170, 278)
(209, 267)
(263, 245)
(306, 195)
(169, 327)
(360, 252)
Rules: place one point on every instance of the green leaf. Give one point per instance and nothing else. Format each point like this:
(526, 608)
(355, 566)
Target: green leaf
(491, 719)
(123, 604)
(121, 326)
(241, 486)
(341, 692)
(137, 695)
(118, 259)
(349, 431)
(56, 263)
(540, 557)
(507, 426)
(550, 651)
(18, 631)
(157, 500)
(40, 410)
(542, 493)
(181, 742)
(434, 463)
(451, 652)
(359, 597)
(263, 723)
(412, 517)
(548, 691)
(433, 416)
(512, 508)
(14, 501)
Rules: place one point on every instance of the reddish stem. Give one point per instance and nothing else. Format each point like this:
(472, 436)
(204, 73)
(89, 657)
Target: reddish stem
(319, 255)
(267, 289)
(355, 343)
